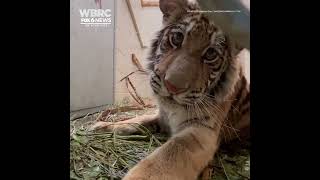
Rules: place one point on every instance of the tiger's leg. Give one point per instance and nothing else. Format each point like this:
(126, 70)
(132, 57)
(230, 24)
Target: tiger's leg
(207, 172)
(182, 157)
(128, 127)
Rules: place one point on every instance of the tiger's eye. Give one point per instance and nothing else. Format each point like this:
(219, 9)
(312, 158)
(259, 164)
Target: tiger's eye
(211, 54)
(177, 39)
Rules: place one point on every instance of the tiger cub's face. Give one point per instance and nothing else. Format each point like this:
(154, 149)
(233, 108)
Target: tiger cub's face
(191, 58)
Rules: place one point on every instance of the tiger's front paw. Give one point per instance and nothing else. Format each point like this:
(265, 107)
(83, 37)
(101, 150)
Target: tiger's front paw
(106, 126)
(118, 128)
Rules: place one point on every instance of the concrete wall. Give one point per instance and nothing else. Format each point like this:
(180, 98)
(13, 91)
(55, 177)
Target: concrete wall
(91, 59)
(149, 21)
(96, 66)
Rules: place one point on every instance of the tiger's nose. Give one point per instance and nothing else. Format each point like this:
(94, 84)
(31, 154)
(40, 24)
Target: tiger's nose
(173, 89)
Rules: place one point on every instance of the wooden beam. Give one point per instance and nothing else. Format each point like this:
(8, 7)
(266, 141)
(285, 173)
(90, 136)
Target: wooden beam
(135, 23)
(150, 3)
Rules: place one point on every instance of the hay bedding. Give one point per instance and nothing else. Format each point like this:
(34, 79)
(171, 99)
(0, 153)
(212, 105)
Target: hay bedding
(100, 155)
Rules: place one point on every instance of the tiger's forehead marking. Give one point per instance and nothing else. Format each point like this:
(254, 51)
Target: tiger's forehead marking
(199, 28)
(198, 24)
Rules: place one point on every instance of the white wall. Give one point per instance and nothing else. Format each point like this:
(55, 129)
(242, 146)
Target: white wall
(149, 21)
(94, 79)
(91, 59)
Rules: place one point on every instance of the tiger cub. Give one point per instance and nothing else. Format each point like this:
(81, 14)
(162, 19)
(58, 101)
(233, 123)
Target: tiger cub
(202, 92)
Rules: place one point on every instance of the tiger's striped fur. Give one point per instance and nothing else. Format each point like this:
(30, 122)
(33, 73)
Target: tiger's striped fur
(202, 92)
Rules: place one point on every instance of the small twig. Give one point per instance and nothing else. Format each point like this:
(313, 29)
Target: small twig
(223, 168)
(99, 116)
(73, 117)
(130, 74)
(98, 161)
(118, 157)
(108, 112)
(243, 175)
(99, 157)
(75, 170)
(136, 62)
(136, 97)
(146, 131)
(132, 95)
(150, 144)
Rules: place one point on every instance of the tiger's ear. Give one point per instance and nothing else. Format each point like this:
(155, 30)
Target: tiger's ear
(233, 47)
(174, 9)
(236, 49)
(171, 8)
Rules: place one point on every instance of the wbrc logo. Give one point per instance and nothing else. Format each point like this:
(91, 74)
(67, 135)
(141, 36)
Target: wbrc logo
(95, 17)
